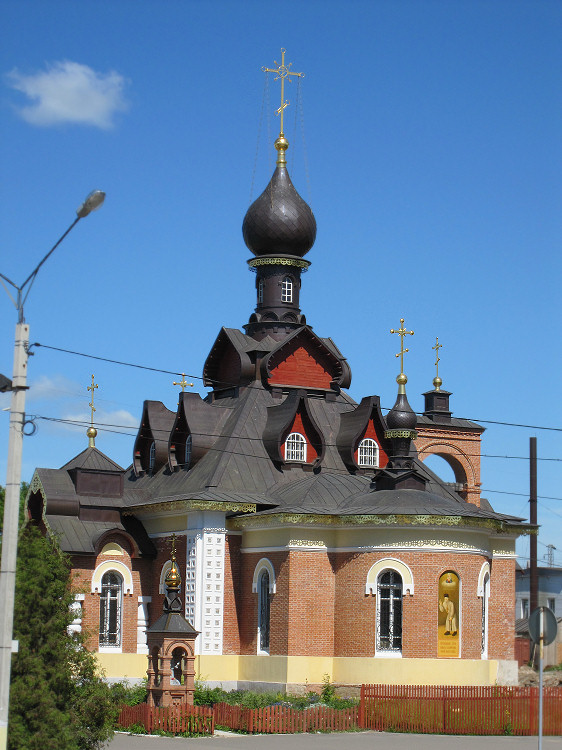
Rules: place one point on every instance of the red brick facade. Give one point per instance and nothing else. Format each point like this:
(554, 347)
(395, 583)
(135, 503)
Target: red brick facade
(461, 450)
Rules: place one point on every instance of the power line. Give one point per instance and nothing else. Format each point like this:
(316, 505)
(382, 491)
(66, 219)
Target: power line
(232, 385)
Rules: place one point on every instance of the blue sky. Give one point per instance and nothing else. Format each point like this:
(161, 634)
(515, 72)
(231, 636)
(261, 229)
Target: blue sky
(431, 157)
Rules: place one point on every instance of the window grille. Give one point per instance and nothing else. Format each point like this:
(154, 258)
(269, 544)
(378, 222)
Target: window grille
(368, 453)
(295, 447)
(152, 457)
(260, 290)
(111, 600)
(287, 290)
(188, 449)
(485, 595)
(264, 611)
(389, 612)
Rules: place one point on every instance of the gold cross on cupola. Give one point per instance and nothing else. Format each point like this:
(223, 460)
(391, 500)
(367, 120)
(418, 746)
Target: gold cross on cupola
(91, 431)
(183, 382)
(437, 382)
(402, 332)
(282, 71)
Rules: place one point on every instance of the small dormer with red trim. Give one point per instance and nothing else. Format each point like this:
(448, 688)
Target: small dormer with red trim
(291, 436)
(361, 442)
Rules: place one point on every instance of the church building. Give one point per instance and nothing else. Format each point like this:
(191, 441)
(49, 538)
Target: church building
(310, 537)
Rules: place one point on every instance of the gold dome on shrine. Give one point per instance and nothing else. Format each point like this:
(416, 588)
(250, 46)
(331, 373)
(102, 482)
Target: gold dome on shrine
(173, 577)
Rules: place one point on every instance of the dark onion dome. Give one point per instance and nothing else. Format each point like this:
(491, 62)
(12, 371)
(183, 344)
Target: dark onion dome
(401, 416)
(279, 222)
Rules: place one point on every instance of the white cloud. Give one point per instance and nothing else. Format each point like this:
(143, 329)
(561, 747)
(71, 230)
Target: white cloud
(118, 420)
(69, 92)
(54, 388)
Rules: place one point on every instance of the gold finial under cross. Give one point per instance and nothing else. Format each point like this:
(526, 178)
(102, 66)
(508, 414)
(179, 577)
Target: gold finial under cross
(183, 382)
(283, 71)
(91, 432)
(437, 380)
(402, 332)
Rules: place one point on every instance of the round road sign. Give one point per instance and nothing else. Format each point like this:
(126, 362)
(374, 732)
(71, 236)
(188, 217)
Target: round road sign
(549, 625)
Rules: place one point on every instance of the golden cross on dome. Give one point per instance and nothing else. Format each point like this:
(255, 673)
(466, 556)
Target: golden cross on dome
(438, 358)
(183, 382)
(92, 407)
(283, 71)
(402, 332)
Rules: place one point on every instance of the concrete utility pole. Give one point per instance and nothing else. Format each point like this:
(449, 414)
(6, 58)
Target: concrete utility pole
(13, 478)
(533, 573)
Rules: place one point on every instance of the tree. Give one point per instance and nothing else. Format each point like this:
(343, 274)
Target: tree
(23, 493)
(57, 699)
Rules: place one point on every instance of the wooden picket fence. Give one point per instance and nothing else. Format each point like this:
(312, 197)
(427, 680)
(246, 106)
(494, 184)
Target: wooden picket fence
(422, 709)
(175, 719)
(459, 710)
(285, 720)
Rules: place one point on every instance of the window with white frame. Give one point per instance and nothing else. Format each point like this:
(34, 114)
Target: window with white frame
(286, 290)
(368, 453)
(152, 457)
(552, 605)
(485, 597)
(263, 611)
(111, 605)
(188, 449)
(295, 447)
(389, 612)
(524, 608)
(260, 290)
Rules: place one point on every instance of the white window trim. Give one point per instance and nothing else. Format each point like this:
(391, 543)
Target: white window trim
(390, 563)
(163, 573)
(387, 653)
(301, 445)
(368, 444)
(118, 567)
(286, 290)
(481, 576)
(117, 649)
(264, 563)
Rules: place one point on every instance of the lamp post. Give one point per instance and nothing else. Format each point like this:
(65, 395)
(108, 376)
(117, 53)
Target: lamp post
(13, 474)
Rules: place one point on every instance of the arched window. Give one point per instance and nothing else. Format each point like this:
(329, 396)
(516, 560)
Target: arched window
(111, 605)
(368, 455)
(389, 612)
(263, 611)
(260, 291)
(178, 666)
(295, 447)
(152, 457)
(188, 448)
(485, 597)
(286, 290)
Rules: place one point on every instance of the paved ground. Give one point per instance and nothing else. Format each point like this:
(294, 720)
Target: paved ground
(333, 741)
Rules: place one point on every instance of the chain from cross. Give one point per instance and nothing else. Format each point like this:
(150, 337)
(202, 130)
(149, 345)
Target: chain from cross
(183, 382)
(283, 71)
(437, 357)
(92, 407)
(402, 332)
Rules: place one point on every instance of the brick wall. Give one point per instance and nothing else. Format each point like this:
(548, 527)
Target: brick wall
(301, 367)
(461, 450)
(232, 594)
(83, 569)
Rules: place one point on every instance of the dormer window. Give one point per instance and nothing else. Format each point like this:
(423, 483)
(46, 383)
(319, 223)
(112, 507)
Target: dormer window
(286, 290)
(188, 447)
(260, 291)
(368, 454)
(295, 447)
(152, 457)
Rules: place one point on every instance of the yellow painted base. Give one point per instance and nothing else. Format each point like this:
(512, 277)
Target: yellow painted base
(123, 666)
(301, 670)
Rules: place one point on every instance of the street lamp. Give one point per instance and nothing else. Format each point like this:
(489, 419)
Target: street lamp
(15, 440)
